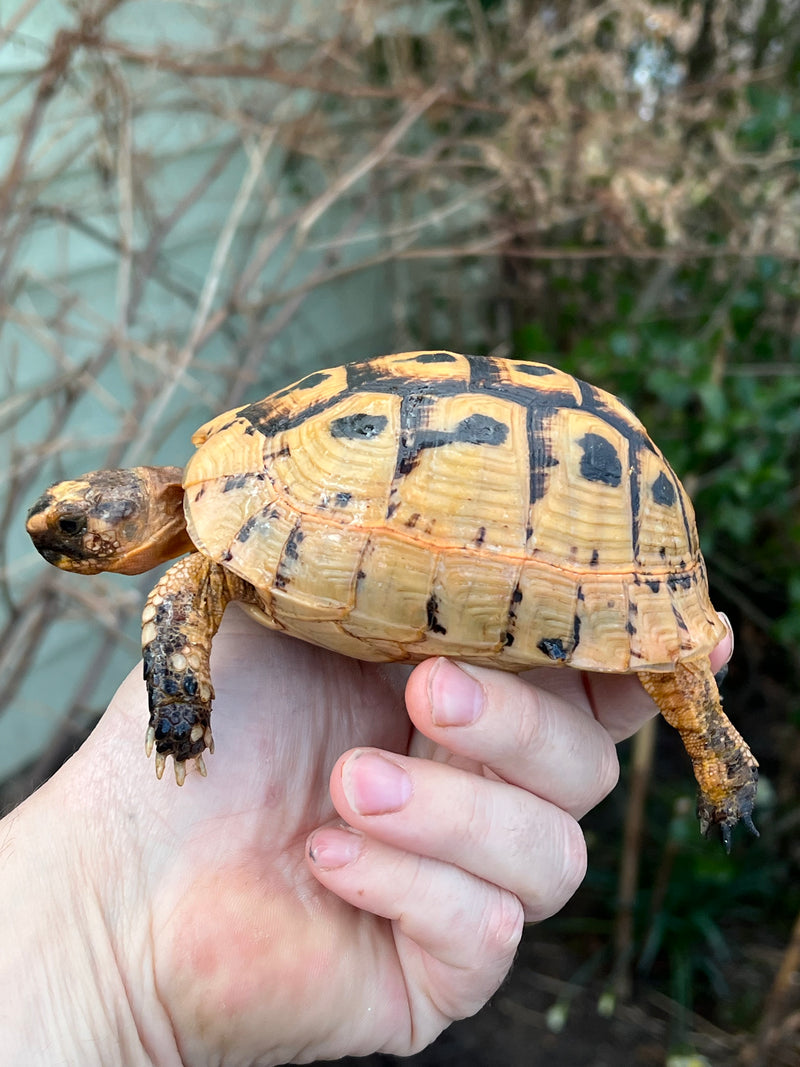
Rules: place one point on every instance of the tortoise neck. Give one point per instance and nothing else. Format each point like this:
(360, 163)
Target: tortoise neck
(166, 524)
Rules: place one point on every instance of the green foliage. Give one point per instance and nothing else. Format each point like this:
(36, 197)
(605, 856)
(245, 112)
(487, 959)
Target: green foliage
(713, 370)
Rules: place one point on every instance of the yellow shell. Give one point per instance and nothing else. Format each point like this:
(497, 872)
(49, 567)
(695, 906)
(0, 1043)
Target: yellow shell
(430, 503)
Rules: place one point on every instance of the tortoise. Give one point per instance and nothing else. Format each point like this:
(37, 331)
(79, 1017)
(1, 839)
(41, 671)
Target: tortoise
(501, 512)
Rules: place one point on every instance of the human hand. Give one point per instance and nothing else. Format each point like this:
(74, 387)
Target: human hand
(238, 921)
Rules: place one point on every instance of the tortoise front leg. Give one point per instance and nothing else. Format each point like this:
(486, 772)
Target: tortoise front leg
(180, 618)
(725, 768)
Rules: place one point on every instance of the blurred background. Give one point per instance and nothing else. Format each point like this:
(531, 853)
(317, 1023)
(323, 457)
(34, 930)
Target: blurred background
(201, 202)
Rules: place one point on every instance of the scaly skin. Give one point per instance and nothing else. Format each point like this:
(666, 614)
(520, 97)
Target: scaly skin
(179, 621)
(725, 768)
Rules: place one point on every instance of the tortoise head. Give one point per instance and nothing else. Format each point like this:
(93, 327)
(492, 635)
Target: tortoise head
(112, 520)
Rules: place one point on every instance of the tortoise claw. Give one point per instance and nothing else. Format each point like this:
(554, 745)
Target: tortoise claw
(725, 831)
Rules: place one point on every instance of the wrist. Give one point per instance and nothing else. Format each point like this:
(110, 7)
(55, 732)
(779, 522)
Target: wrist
(62, 992)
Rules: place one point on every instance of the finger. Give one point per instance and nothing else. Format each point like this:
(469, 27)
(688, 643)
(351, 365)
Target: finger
(527, 735)
(724, 650)
(498, 832)
(455, 935)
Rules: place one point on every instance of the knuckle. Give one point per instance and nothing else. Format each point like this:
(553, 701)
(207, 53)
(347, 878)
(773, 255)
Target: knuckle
(573, 861)
(502, 926)
(530, 722)
(608, 771)
(568, 869)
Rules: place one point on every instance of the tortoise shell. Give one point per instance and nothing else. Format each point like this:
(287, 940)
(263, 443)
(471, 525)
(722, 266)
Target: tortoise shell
(431, 503)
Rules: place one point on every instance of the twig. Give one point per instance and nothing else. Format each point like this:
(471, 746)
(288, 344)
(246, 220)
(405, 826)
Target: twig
(643, 748)
(198, 332)
(779, 1002)
(268, 70)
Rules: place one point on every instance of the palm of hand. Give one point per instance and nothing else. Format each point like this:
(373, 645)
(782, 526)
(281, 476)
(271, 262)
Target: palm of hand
(248, 949)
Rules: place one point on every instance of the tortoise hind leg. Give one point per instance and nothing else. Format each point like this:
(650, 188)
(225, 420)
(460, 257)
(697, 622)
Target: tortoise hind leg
(180, 618)
(725, 768)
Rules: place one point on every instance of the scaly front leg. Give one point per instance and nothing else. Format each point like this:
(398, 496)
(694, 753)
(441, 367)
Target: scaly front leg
(180, 618)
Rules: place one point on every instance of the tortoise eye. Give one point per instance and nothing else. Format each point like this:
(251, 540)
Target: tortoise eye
(70, 527)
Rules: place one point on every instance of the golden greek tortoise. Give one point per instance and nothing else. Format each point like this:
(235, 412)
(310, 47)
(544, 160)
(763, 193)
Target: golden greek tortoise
(421, 504)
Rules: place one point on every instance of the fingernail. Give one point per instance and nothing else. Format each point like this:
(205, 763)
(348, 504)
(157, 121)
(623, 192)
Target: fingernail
(456, 698)
(727, 622)
(374, 785)
(333, 847)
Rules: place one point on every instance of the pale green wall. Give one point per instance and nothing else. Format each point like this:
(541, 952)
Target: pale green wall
(67, 256)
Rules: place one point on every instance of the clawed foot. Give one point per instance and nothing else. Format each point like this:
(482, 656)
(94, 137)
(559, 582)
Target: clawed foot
(180, 731)
(734, 808)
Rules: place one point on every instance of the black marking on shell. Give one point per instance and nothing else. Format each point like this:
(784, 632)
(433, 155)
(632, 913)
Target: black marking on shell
(343, 499)
(634, 488)
(415, 411)
(434, 357)
(553, 648)
(540, 457)
(595, 560)
(679, 581)
(484, 374)
(247, 529)
(312, 380)
(653, 584)
(289, 556)
(362, 424)
(576, 631)
(600, 462)
(480, 537)
(290, 549)
(511, 616)
(679, 619)
(663, 491)
(416, 434)
(432, 608)
(560, 649)
(235, 481)
(270, 419)
(537, 370)
(412, 520)
(479, 429)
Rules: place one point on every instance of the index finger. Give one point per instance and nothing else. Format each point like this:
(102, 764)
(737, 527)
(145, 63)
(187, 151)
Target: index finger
(525, 734)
